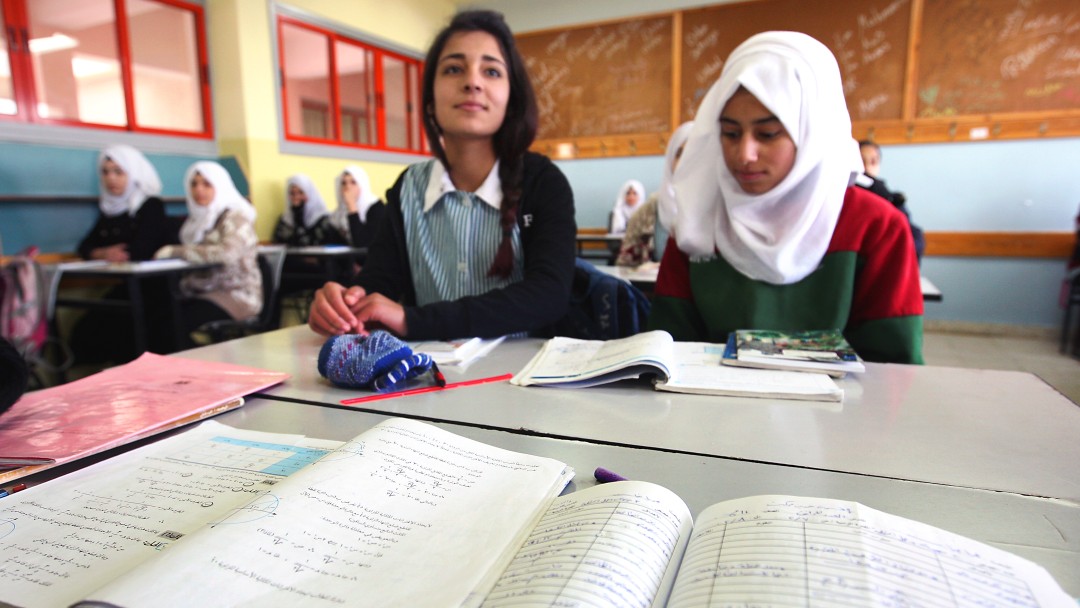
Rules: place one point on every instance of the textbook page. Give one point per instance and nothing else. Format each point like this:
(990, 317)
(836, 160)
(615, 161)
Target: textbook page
(573, 363)
(616, 544)
(787, 550)
(405, 514)
(698, 370)
(62, 539)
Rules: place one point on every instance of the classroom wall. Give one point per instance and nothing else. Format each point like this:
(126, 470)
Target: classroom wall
(1026, 185)
(242, 44)
(240, 40)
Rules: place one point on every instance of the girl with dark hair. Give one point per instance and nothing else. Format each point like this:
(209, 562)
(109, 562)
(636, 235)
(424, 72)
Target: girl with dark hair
(480, 240)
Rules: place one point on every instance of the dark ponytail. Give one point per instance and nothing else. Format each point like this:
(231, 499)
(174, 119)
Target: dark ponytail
(513, 138)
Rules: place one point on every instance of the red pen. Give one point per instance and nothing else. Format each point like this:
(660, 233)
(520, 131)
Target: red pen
(426, 389)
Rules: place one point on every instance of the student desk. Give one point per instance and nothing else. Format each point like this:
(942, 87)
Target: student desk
(990, 430)
(131, 274)
(610, 250)
(334, 261)
(1042, 530)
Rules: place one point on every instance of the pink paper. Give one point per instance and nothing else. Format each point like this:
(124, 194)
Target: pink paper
(151, 394)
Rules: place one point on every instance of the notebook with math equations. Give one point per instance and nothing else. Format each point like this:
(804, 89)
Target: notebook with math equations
(407, 514)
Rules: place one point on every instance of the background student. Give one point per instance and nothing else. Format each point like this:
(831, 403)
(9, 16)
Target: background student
(131, 226)
(778, 240)
(870, 179)
(480, 240)
(220, 228)
(306, 220)
(132, 223)
(359, 209)
(639, 241)
(630, 198)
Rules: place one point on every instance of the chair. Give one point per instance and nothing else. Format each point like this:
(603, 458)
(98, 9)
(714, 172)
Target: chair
(271, 260)
(1071, 300)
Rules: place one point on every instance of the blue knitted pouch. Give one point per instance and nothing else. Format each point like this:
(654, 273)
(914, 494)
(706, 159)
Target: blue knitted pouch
(379, 361)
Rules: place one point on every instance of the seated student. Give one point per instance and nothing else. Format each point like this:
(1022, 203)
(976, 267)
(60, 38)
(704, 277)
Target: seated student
(359, 209)
(779, 240)
(132, 223)
(131, 227)
(639, 241)
(307, 220)
(871, 156)
(220, 228)
(626, 203)
(479, 241)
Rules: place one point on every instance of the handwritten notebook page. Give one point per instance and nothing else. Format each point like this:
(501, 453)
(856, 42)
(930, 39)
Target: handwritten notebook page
(610, 545)
(790, 551)
(404, 515)
(61, 540)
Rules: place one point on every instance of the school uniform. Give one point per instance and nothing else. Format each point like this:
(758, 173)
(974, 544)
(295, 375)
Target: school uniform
(810, 252)
(436, 244)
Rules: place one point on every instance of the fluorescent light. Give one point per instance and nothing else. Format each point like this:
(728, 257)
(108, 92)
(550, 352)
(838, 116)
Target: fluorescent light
(55, 42)
(83, 66)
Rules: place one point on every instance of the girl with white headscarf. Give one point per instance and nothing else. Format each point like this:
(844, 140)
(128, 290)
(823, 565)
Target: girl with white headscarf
(132, 224)
(359, 209)
(642, 234)
(770, 233)
(219, 229)
(306, 220)
(631, 196)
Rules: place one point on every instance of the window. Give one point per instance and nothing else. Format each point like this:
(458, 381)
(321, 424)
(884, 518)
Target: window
(137, 65)
(343, 91)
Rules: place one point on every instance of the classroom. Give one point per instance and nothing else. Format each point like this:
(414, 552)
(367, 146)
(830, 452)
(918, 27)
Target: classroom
(964, 443)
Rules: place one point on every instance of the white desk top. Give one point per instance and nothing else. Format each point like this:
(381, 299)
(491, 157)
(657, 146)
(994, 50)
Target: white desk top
(992, 430)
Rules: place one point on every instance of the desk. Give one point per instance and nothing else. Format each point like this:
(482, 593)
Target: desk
(612, 242)
(1044, 531)
(334, 261)
(132, 274)
(930, 292)
(989, 430)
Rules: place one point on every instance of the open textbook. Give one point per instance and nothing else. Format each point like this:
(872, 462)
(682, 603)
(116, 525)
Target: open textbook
(406, 514)
(681, 367)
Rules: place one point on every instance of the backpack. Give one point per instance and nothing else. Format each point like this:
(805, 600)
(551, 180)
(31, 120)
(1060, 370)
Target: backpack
(23, 319)
(602, 307)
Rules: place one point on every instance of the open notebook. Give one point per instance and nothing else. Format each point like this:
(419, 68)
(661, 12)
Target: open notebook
(407, 514)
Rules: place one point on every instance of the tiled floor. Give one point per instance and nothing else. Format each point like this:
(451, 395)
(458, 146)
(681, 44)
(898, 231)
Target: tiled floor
(1038, 355)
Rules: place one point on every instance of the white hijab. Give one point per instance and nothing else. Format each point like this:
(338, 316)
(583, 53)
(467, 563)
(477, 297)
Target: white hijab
(143, 181)
(314, 207)
(781, 235)
(622, 211)
(667, 207)
(226, 197)
(367, 197)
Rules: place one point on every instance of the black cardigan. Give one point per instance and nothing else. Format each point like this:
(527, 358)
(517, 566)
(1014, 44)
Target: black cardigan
(546, 221)
(144, 233)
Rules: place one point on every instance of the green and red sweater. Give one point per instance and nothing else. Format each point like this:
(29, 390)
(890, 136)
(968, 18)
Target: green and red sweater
(867, 285)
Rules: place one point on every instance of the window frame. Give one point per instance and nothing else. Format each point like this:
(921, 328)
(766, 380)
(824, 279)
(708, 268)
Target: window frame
(26, 118)
(337, 144)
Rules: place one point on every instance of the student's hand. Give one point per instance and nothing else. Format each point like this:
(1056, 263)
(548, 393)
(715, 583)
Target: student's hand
(376, 311)
(112, 253)
(334, 310)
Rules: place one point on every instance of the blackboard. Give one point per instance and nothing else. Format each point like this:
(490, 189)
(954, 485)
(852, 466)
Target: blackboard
(998, 56)
(605, 79)
(913, 70)
(869, 39)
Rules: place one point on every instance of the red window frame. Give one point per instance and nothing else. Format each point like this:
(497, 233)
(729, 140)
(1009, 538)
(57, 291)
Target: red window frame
(16, 27)
(416, 144)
